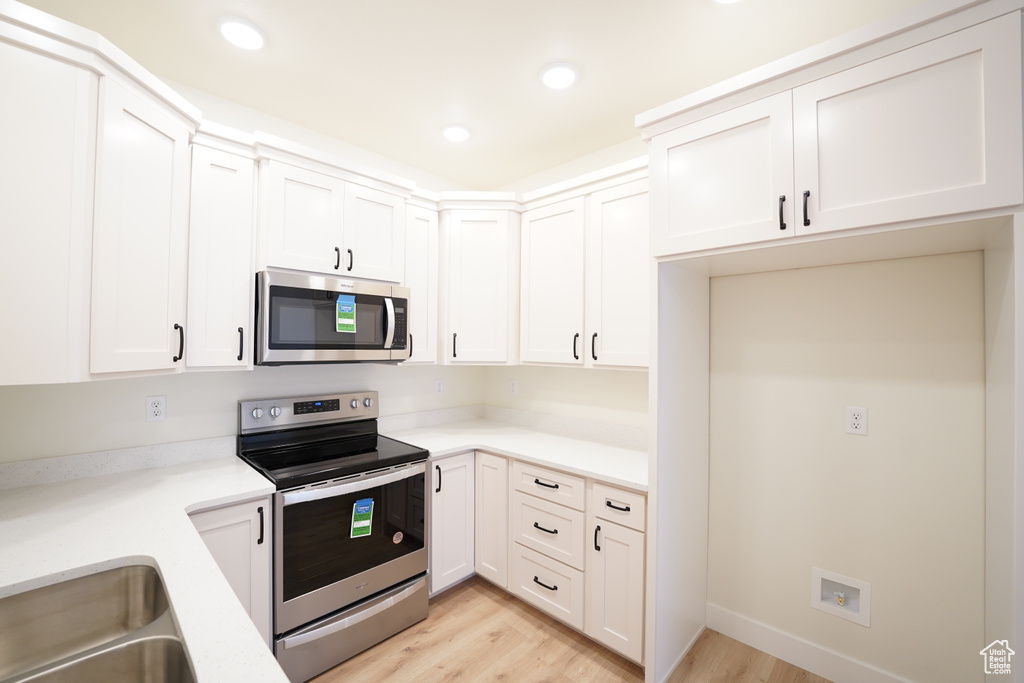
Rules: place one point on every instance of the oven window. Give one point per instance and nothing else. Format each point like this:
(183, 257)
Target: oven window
(322, 546)
(308, 319)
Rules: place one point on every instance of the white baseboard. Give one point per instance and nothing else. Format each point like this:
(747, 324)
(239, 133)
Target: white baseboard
(797, 651)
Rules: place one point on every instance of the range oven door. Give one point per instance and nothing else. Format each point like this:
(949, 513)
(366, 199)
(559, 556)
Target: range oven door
(340, 543)
(319, 319)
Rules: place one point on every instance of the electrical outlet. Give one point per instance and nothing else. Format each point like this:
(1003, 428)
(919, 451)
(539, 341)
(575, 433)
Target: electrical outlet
(856, 420)
(156, 408)
(438, 386)
(513, 387)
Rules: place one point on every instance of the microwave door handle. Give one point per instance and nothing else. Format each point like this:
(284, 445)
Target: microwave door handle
(389, 322)
(305, 496)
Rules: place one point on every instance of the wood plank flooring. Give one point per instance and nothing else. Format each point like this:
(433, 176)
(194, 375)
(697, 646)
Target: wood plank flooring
(476, 632)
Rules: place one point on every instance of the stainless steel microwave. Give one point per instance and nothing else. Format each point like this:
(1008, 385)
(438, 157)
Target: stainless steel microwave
(305, 318)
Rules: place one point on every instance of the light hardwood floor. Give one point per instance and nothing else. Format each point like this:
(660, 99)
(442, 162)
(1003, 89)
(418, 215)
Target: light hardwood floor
(476, 632)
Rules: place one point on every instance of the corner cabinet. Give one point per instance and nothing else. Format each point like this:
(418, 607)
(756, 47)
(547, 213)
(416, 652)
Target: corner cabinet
(421, 277)
(451, 520)
(140, 234)
(491, 518)
(926, 131)
(238, 538)
(480, 286)
(220, 260)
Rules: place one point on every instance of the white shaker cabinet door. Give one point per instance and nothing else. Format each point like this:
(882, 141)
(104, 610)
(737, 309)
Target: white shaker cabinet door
(303, 221)
(551, 322)
(220, 260)
(451, 521)
(724, 180)
(374, 234)
(421, 277)
(615, 587)
(492, 518)
(929, 131)
(618, 277)
(140, 236)
(46, 172)
(238, 537)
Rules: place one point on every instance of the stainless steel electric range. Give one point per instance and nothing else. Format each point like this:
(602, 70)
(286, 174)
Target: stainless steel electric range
(350, 554)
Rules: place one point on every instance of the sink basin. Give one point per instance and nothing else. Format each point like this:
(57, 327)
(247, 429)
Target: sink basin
(92, 628)
(149, 660)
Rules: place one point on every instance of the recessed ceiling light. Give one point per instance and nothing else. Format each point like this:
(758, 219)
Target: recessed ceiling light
(558, 76)
(241, 33)
(455, 133)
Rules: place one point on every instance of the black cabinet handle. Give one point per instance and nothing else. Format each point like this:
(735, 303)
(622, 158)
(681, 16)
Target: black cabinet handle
(410, 345)
(782, 222)
(351, 259)
(337, 258)
(550, 588)
(807, 221)
(575, 338)
(547, 531)
(455, 353)
(616, 507)
(596, 546)
(593, 346)
(550, 486)
(181, 342)
(241, 343)
(260, 541)
(438, 489)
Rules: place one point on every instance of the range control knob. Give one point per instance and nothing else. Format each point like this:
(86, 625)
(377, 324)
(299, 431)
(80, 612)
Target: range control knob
(257, 413)
(367, 402)
(354, 403)
(275, 411)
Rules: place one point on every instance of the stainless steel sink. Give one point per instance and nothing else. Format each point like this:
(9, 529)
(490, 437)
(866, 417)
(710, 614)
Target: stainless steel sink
(114, 625)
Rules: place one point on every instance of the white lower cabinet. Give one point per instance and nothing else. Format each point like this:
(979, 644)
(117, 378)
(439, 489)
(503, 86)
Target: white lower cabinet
(615, 587)
(548, 585)
(451, 520)
(492, 518)
(238, 537)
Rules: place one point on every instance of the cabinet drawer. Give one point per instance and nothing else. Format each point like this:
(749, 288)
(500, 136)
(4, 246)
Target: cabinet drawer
(627, 508)
(552, 529)
(548, 585)
(558, 487)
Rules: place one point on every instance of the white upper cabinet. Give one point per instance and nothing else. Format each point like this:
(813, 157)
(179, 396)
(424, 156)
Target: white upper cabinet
(140, 235)
(220, 260)
(586, 278)
(929, 131)
(481, 286)
(303, 212)
(618, 277)
(374, 234)
(46, 172)
(421, 277)
(726, 179)
(926, 131)
(552, 283)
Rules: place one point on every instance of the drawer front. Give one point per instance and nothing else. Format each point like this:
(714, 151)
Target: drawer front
(552, 529)
(558, 487)
(548, 585)
(627, 508)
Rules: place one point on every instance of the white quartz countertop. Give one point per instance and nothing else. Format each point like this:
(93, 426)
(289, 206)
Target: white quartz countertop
(614, 465)
(62, 530)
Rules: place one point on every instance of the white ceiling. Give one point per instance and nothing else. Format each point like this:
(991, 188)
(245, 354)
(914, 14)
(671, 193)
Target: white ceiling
(387, 75)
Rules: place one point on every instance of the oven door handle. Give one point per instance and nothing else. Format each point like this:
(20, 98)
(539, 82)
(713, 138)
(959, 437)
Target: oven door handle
(348, 622)
(304, 496)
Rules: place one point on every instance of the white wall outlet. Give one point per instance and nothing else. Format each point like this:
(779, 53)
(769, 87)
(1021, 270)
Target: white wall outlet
(856, 420)
(513, 387)
(438, 386)
(156, 408)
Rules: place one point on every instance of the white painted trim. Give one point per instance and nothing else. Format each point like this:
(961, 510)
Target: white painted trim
(580, 183)
(802, 653)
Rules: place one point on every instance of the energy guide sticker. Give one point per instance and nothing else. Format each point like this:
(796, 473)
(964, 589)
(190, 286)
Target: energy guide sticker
(346, 313)
(362, 515)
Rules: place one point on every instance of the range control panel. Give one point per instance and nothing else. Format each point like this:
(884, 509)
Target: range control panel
(278, 413)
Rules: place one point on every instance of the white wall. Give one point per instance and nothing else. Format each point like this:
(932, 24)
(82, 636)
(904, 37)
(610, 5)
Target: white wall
(903, 507)
(48, 420)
